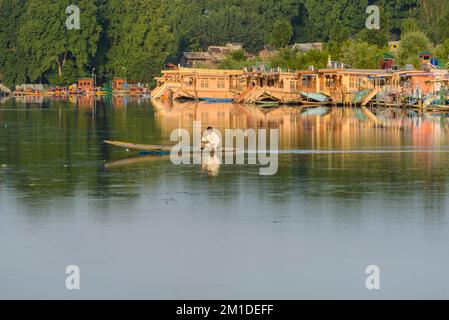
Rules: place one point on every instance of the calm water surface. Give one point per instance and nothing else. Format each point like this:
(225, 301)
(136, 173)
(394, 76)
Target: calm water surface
(375, 193)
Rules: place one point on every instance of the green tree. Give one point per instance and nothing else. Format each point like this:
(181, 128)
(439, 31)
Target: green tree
(411, 45)
(442, 52)
(12, 69)
(361, 55)
(377, 37)
(316, 58)
(237, 60)
(282, 33)
(409, 25)
(49, 45)
(431, 18)
(286, 59)
(140, 40)
(296, 60)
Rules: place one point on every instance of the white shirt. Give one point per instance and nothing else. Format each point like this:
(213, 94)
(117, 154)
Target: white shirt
(211, 139)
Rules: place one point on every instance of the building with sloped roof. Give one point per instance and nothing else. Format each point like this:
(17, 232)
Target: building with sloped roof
(213, 56)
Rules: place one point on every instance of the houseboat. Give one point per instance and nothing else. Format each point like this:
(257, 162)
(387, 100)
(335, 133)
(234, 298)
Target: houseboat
(199, 84)
(342, 86)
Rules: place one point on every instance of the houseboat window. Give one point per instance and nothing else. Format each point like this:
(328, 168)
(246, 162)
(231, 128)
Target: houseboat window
(305, 82)
(329, 81)
(188, 82)
(293, 85)
(221, 84)
(204, 83)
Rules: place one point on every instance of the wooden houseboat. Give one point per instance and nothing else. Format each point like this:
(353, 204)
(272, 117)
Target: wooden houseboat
(270, 86)
(324, 86)
(199, 84)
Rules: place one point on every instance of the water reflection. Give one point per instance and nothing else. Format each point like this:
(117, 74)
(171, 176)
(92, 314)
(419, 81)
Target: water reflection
(156, 230)
(59, 151)
(314, 128)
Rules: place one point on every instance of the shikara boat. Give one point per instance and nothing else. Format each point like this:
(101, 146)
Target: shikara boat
(314, 97)
(157, 150)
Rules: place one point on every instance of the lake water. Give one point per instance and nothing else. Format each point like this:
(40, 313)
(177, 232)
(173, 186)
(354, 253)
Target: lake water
(353, 189)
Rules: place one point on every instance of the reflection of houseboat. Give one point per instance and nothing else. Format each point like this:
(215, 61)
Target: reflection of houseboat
(30, 92)
(57, 92)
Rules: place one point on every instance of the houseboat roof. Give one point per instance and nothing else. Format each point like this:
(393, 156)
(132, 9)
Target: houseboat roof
(356, 71)
(197, 55)
(367, 71)
(422, 74)
(210, 72)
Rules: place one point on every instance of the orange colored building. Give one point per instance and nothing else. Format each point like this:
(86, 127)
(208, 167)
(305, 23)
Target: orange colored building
(199, 84)
(85, 85)
(118, 84)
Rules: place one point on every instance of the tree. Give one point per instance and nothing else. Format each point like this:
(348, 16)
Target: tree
(140, 40)
(282, 33)
(377, 37)
(286, 59)
(411, 45)
(293, 59)
(336, 17)
(12, 60)
(48, 44)
(409, 25)
(237, 60)
(431, 17)
(361, 55)
(441, 29)
(442, 51)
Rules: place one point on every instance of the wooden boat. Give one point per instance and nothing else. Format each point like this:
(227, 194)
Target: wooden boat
(138, 147)
(154, 149)
(315, 97)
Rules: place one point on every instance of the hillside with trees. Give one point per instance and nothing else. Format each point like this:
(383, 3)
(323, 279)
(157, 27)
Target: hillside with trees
(140, 36)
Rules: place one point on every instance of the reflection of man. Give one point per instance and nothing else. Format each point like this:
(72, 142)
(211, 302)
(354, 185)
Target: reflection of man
(211, 139)
(211, 163)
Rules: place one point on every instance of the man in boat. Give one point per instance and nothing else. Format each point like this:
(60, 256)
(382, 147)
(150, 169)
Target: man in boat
(210, 160)
(211, 140)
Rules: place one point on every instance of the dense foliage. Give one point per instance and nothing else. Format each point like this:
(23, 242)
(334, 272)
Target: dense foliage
(138, 36)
